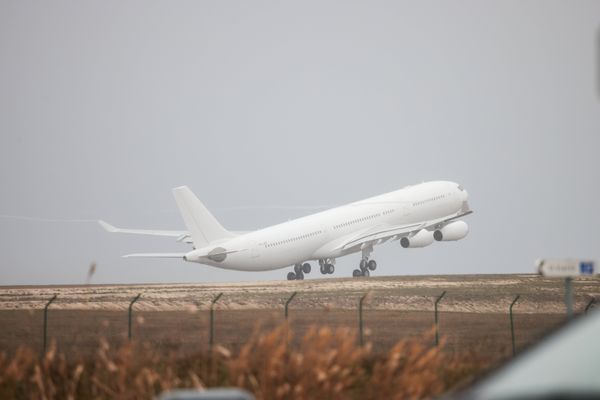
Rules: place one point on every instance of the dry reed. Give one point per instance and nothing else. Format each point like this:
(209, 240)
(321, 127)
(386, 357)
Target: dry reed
(325, 363)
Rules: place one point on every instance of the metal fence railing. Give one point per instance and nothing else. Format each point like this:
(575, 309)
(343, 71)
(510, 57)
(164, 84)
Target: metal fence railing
(362, 317)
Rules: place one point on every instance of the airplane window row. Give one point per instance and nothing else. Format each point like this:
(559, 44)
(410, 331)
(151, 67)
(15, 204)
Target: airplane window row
(355, 221)
(294, 239)
(418, 203)
(386, 212)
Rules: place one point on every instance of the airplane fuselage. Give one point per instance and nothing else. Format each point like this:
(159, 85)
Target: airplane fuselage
(329, 234)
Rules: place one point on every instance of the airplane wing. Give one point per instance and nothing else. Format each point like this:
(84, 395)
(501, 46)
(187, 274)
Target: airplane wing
(383, 233)
(182, 236)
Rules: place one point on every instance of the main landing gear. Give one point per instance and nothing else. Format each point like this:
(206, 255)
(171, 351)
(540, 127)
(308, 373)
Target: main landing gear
(326, 266)
(299, 271)
(365, 265)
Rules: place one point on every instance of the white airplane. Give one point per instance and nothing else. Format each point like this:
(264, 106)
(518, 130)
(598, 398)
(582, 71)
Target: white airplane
(415, 215)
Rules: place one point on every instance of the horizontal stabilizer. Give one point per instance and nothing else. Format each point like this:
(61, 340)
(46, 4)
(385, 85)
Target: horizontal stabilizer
(182, 236)
(155, 255)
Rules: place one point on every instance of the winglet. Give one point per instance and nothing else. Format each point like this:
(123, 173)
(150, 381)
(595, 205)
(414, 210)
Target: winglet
(108, 227)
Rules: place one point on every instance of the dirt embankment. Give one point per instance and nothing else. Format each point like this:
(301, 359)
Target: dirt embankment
(464, 293)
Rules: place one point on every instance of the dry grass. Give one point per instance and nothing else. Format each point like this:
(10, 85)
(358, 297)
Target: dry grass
(326, 363)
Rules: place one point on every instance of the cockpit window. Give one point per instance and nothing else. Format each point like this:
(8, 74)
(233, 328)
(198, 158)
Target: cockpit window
(462, 189)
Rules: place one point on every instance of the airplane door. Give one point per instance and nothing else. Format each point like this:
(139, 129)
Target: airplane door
(325, 231)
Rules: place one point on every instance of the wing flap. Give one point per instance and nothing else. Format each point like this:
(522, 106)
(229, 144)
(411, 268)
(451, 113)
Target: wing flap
(384, 233)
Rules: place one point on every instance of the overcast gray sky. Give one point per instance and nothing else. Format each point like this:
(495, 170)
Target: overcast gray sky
(263, 108)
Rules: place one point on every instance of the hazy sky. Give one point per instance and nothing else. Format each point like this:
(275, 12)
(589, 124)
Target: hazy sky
(263, 108)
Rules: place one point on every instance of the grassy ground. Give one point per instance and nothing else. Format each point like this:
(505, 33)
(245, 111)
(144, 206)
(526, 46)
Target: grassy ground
(88, 328)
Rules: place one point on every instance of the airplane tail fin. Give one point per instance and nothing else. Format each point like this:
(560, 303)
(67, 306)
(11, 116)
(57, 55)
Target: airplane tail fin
(202, 225)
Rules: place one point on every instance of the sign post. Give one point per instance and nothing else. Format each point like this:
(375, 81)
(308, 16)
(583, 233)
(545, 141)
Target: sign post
(567, 269)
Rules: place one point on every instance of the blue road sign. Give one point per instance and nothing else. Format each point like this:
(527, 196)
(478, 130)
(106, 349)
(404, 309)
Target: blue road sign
(586, 267)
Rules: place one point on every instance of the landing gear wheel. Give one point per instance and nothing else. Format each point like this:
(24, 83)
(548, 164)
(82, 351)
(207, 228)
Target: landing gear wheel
(363, 264)
(306, 268)
(291, 276)
(300, 276)
(357, 273)
(297, 268)
(366, 273)
(330, 269)
(323, 269)
(372, 265)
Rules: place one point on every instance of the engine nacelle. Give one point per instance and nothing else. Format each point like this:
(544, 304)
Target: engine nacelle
(421, 239)
(453, 231)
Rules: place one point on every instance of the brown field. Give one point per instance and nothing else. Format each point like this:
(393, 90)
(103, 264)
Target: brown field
(472, 316)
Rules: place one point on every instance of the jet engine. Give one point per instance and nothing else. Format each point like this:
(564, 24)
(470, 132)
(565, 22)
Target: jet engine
(453, 231)
(421, 239)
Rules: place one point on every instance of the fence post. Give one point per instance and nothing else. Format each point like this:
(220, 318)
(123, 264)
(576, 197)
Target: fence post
(136, 298)
(591, 303)
(360, 318)
(569, 296)
(287, 303)
(212, 320)
(437, 337)
(46, 322)
(512, 325)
